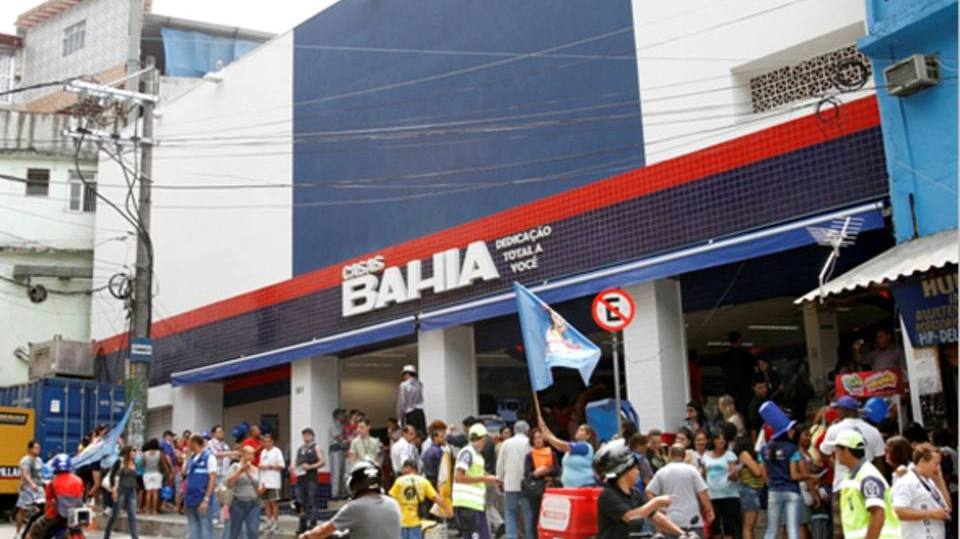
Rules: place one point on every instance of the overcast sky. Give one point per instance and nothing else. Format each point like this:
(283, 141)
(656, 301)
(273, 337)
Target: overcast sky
(277, 16)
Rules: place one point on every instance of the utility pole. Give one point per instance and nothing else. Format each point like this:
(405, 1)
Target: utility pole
(134, 35)
(138, 381)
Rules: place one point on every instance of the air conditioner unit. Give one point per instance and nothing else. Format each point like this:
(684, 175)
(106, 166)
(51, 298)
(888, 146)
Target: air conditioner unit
(911, 75)
(60, 357)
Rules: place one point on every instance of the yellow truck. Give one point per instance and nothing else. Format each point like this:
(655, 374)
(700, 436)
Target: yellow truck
(16, 430)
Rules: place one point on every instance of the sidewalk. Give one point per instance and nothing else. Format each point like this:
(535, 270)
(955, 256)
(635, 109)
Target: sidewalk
(174, 526)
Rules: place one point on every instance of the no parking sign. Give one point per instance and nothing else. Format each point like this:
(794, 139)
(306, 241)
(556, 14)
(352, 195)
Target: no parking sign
(613, 310)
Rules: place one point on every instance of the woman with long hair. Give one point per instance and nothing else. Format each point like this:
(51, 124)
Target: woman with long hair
(751, 477)
(810, 487)
(577, 465)
(695, 419)
(701, 444)
(541, 471)
(154, 469)
(782, 460)
(244, 479)
(123, 481)
(729, 414)
(720, 465)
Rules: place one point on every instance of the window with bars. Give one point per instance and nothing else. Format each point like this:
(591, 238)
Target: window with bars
(38, 182)
(74, 37)
(83, 198)
(804, 80)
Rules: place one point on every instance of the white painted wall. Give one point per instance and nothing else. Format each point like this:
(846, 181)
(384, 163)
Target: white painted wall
(697, 57)
(107, 23)
(203, 256)
(39, 230)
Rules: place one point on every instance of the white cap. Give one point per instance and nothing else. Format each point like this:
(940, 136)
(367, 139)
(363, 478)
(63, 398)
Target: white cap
(409, 369)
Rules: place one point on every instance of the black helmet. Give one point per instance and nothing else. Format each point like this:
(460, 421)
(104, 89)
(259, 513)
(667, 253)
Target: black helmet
(614, 459)
(364, 476)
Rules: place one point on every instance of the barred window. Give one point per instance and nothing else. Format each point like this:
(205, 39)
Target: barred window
(804, 80)
(38, 182)
(74, 37)
(83, 198)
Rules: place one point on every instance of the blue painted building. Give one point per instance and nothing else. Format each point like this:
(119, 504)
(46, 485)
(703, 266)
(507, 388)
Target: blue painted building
(919, 130)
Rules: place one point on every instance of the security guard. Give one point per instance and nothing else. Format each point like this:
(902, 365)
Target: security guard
(866, 510)
(470, 483)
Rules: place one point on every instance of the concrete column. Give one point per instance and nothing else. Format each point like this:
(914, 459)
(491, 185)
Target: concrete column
(314, 395)
(655, 351)
(448, 370)
(197, 406)
(823, 338)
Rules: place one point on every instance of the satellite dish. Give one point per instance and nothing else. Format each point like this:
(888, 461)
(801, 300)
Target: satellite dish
(37, 293)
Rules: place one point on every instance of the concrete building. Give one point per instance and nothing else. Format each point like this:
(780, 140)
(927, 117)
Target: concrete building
(913, 49)
(46, 238)
(306, 202)
(95, 38)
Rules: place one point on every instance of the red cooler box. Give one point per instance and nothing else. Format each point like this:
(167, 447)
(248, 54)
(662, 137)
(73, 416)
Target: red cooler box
(569, 513)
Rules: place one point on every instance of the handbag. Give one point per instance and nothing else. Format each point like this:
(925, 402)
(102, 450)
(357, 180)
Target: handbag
(224, 494)
(533, 487)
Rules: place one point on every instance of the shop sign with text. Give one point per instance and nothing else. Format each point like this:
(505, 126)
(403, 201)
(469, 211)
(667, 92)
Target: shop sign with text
(928, 305)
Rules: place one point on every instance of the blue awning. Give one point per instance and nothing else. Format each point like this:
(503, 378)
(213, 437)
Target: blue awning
(317, 347)
(714, 253)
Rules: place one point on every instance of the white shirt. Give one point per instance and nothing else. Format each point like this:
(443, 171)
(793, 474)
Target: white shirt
(921, 493)
(511, 461)
(271, 457)
(219, 446)
(402, 451)
(871, 437)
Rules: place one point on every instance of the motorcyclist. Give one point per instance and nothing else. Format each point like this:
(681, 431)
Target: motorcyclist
(621, 510)
(64, 493)
(369, 514)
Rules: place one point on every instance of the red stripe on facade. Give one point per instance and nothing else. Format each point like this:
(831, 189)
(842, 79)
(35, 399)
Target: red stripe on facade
(780, 139)
(258, 378)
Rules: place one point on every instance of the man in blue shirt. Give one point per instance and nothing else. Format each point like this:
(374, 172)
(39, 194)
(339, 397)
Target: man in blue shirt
(201, 480)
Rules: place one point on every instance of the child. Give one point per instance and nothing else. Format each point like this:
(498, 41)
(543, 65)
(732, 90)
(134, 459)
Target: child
(410, 490)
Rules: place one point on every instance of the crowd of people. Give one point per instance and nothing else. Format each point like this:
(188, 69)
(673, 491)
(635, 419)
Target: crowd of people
(714, 475)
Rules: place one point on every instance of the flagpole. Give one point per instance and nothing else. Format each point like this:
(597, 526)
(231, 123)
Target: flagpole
(536, 404)
(616, 379)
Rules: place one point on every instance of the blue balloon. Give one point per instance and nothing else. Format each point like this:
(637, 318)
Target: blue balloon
(166, 494)
(876, 410)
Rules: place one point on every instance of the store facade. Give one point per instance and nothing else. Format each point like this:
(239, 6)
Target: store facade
(400, 242)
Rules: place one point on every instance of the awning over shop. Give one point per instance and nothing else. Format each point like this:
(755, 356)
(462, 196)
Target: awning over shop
(914, 256)
(289, 354)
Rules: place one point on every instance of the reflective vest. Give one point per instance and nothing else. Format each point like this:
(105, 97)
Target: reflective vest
(471, 495)
(854, 513)
(198, 474)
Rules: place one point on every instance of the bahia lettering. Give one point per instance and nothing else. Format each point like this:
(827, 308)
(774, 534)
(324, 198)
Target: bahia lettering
(364, 291)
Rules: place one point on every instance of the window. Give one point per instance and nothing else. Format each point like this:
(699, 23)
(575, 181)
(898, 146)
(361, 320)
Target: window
(38, 182)
(74, 37)
(804, 80)
(83, 197)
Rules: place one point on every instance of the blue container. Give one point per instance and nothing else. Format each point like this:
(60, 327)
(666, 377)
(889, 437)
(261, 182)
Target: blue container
(66, 409)
(603, 419)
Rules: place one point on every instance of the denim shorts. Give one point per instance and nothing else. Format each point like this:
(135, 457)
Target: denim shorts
(749, 499)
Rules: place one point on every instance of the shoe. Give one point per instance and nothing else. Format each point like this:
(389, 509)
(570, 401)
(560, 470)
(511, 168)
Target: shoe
(501, 531)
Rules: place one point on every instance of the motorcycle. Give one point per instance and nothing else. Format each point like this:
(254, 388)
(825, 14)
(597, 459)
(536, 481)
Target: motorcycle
(78, 519)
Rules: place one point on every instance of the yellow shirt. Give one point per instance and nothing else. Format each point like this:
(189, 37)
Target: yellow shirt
(409, 491)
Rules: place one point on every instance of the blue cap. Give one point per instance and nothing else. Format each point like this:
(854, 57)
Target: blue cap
(846, 402)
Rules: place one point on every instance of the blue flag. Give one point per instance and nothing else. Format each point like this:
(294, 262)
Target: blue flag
(106, 445)
(549, 341)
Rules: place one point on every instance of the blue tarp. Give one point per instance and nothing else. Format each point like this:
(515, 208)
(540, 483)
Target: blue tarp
(194, 54)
